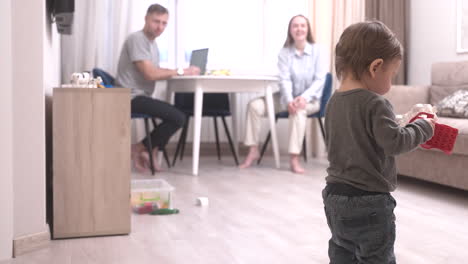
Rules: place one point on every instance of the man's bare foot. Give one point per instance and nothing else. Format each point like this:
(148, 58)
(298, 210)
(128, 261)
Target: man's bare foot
(296, 165)
(146, 157)
(138, 162)
(251, 157)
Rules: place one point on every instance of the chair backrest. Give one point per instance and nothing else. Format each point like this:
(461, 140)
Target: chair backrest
(214, 104)
(326, 93)
(107, 79)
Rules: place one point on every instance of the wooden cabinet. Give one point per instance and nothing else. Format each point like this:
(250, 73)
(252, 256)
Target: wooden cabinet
(91, 162)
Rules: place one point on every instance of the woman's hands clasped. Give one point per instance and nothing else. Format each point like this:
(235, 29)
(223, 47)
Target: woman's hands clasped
(297, 104)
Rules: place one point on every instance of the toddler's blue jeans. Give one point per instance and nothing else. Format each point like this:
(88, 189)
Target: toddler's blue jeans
(362, 228)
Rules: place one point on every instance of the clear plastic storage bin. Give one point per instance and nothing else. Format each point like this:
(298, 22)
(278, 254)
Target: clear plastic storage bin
(149, 195)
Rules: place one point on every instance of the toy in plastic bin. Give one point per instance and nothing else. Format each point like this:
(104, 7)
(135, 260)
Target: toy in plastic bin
(142, 204)
(144, 208)
(444, 136)
(149, 196)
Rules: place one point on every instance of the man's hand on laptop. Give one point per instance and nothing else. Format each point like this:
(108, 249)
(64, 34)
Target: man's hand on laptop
(192, 70)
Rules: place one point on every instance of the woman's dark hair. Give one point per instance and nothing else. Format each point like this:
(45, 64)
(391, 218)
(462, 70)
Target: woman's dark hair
(361, 44)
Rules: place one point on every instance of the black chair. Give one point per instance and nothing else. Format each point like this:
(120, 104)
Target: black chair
(326, 93)
(214, 105)
(109, 82)
(107, 79)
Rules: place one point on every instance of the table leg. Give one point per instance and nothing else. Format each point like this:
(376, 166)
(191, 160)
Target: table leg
(197, 116)
(234, 119)
(169, 95)
(271, 117)
(169, 100)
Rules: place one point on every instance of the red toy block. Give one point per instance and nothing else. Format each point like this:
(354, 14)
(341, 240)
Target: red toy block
(444, 136)
(145, 208)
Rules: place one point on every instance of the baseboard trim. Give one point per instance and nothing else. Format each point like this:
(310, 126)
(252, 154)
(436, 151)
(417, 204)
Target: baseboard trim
(29, 243)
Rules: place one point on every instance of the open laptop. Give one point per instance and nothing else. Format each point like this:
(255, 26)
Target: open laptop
(199, 58)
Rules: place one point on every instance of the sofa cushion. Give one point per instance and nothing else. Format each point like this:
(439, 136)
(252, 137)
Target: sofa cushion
(438, 93)
(403, 97)
(461, 145)
(450, 73)
(454, 105)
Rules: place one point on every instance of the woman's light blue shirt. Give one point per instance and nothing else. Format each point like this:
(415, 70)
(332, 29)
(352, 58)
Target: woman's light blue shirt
(302, 74)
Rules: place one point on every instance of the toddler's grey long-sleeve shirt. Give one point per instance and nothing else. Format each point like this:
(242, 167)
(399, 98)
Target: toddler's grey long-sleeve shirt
(363, 138)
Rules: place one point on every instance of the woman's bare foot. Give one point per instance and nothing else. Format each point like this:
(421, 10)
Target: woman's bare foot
(296, 165)
(251, 157)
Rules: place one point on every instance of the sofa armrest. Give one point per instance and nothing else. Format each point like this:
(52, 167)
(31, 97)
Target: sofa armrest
(403, 97)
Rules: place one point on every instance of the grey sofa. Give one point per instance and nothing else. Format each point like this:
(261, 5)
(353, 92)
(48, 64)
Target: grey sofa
(434, 165)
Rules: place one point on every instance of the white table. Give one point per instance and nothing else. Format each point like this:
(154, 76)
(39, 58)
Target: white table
(224, 84)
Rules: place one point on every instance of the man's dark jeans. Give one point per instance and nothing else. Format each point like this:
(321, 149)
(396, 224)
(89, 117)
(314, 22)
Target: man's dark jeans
(172, 118)
(362, 227)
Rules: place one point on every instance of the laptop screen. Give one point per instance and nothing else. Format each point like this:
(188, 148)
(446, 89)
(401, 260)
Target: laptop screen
(199, 58)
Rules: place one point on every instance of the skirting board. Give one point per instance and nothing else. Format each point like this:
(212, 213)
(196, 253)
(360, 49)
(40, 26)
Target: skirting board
(29, 243)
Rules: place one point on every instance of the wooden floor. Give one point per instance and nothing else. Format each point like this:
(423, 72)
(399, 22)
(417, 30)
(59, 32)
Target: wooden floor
(263, 215)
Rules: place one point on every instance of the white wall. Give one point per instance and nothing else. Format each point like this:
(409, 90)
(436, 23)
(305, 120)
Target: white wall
(28, 116)
(6, 159)
(432, 38)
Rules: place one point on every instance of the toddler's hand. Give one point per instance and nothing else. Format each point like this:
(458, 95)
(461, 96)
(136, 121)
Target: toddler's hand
(431, 121)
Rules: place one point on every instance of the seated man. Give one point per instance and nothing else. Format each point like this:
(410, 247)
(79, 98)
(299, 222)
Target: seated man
(139, 69)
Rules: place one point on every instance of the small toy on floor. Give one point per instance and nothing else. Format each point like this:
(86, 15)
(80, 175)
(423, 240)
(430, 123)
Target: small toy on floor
(202, 201)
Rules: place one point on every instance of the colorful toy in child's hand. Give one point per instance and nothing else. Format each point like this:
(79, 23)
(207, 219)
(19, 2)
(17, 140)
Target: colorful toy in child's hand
(404, 119)
(164, 211)
(444, 136)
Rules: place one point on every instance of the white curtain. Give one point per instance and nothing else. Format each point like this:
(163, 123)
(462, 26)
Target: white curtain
(329, 19)
(99, 29)
(345, 13)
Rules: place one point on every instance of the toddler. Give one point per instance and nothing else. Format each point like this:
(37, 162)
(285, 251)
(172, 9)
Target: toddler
(363, 138)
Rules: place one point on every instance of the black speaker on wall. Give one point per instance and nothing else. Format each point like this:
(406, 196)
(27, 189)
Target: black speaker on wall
(62, 12)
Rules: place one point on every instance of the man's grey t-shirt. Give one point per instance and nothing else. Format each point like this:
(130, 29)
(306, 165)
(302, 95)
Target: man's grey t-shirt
(363, 138)
(137, 47)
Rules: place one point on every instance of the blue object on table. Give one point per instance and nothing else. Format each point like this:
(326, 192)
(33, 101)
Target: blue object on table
(107, 79)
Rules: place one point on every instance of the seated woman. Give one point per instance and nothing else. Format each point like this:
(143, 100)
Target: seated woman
(302, 70)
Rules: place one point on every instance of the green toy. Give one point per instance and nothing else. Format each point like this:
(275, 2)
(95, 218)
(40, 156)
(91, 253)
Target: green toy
(164, 211)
